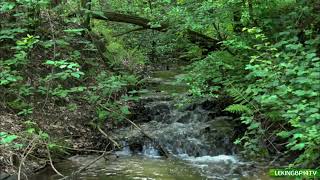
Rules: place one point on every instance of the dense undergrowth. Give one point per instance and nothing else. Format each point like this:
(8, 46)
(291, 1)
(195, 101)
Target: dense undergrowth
(59, 58)
(273, 76)
(53, 70)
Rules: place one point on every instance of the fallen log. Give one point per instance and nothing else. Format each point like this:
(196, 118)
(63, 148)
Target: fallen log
(124, 18)
(201, 40)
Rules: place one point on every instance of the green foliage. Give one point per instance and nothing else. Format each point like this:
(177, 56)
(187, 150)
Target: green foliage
(6, 138)
(8, 75)
(69, 69)
(105, 96)
(11, 76)
(48, 62)
(238, 108)
(276, 79)
(270, 68)
(289, 86)
(205, 76)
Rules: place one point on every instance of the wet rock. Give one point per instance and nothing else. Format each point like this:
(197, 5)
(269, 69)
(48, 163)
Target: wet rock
(184, 117)
(136, 147)
(153, 97)
(159, 108)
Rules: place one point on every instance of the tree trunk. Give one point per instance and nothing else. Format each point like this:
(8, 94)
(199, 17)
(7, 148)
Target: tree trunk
(237, 13)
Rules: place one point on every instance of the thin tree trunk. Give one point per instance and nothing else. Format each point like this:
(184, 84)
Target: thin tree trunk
(237, 13)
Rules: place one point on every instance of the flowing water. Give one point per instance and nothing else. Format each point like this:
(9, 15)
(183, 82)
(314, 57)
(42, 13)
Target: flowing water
(198, 137)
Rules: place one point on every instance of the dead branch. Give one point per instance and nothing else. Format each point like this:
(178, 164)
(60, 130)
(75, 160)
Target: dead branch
(74, 174)
(108, 137)
(162, 150)
(25, 154)
(92, 162)
(69, 148)
(51, 163)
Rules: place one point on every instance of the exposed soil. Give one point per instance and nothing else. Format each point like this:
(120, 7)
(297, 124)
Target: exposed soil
(67, 128)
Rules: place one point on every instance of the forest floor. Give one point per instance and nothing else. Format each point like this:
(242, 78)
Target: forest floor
(70, 129)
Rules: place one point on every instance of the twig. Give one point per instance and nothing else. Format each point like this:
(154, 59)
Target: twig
(51, 163)
(108, 137)
(26, 152)
(69, 148)
(92, 162)
(87, 165)
(276, 158)
(86, 150)
(274, 147)
(54, 57)
(164, 152)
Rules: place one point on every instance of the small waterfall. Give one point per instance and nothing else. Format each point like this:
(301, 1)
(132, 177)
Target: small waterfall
(201, 133)
(214, 159)
(150, 151)
(125, 150)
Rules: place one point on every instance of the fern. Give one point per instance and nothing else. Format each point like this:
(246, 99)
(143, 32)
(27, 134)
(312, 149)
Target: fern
(240, 95)
(239, 108)
(243, 100)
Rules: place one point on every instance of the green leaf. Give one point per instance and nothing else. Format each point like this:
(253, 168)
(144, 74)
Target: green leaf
(102, 114)
(43, 135)
(311, 55)
(284, 134)
(74, 31)
(299, 146)
(76, 75)
(18, 146)
(2, 134)
(31, 130)
(52, 145)
(8, 139)
(238, 108)
(125, 110)
(7, 6)
(298, 135)
(50, 62)
(254, 125)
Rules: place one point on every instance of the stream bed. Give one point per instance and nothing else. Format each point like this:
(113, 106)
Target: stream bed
(199, 137)
(142, 167)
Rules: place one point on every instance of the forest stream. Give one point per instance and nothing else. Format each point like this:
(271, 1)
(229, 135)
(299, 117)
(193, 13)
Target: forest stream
(159, 90)
(198, 137)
